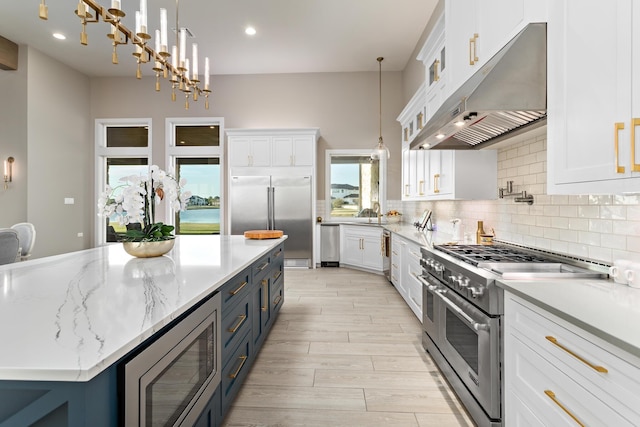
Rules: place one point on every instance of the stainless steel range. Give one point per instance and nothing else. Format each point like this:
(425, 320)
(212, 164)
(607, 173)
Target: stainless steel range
(462, 315)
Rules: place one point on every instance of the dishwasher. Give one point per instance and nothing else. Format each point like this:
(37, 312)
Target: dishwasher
(330, 245)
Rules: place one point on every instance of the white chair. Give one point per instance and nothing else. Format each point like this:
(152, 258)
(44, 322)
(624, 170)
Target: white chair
(9, 246)
(27, 237)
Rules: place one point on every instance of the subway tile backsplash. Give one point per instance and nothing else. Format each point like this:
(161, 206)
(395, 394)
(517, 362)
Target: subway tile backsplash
(598, 227)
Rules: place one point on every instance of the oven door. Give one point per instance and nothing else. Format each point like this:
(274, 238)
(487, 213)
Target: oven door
(470, 341)
(430, 297)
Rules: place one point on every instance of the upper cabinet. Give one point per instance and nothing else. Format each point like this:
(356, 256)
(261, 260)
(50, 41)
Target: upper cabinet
(412, 118)
(476, 29)
(433, 56)
(594, 110)
(272, 147)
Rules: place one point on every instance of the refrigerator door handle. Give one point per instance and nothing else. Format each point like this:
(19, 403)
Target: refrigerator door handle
(269, 208)
(273, 209)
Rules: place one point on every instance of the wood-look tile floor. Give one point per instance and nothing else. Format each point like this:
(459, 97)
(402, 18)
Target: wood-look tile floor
(345, 351)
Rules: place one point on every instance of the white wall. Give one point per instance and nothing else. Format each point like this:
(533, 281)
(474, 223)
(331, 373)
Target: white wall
(600, 228)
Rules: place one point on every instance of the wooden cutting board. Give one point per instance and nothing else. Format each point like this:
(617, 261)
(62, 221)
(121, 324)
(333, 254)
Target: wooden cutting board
(263, 234)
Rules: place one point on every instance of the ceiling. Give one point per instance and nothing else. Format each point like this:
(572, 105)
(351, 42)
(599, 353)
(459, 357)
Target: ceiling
(293, 36)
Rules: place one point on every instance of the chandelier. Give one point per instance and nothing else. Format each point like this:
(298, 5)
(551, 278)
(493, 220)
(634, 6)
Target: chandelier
(183, 74)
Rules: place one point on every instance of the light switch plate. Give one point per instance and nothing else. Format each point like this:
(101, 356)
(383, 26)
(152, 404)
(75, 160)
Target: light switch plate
(69, 201)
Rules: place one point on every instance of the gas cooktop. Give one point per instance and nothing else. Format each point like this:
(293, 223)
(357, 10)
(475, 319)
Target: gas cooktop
(477, 254)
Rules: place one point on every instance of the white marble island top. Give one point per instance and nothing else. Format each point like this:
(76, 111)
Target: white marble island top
(69, 317)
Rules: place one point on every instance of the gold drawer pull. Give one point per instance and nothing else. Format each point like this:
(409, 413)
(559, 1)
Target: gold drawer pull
(436, 180)
(552, 396)
(616, 135)
(277, 300)
(239, 288)
(277, 275)
(436, 64)
(421, 187)
(265, 288)
(241, 320)
(591, 365)
(263, 266)
(635, 167)
(277, 254)
(242, 359)
(473, 49)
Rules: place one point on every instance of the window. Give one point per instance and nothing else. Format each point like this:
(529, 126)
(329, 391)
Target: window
(202, 215)
(195, 154)
(123, 148)
(355, 185)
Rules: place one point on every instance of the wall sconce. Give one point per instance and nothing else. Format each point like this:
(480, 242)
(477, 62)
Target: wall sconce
(8, 171)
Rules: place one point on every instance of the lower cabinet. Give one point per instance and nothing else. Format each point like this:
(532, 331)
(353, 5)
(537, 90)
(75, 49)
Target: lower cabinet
(405, 269)
(563, 374)
(362, 247)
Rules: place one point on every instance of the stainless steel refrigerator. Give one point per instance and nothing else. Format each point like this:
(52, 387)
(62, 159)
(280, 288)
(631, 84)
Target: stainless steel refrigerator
(275, 203)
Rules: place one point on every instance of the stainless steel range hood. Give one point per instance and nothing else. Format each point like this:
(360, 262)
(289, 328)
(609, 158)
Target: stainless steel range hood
(507, 96)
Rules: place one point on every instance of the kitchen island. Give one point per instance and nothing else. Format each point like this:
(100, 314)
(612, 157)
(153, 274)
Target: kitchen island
(67, 320)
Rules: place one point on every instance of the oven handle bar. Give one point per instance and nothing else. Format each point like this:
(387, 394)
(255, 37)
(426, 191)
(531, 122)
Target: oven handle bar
(475, 325)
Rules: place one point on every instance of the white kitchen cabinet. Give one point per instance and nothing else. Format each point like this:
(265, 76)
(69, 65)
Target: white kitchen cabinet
(362, 247)
(592, 116)
(272, 147)
(449, 174)
(249, 151)
(293, 151)
(405, 267)
(563, 374)
(412, 117)
(475, 30)
(434, 59)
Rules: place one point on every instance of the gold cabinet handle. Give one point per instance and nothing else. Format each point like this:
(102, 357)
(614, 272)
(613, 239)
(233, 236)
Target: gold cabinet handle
(265, 290)
(277, 254)
(436, 181)
(600, 369)
(242, 360)
(420, 120)
(277, 275)
(241, 320)
(635, 167)
(277, 300)
(421, 187)
(406, 189)
(436, 64)
(406, 134)
(263, 266)
(616, 135)
(239, 288)
(552, 396)
(473, 49)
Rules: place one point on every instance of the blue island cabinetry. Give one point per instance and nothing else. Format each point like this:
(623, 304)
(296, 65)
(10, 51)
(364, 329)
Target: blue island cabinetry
(250, 301)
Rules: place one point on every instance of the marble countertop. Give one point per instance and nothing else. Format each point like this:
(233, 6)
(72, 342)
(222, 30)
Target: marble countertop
(70, 316)
(606, 309)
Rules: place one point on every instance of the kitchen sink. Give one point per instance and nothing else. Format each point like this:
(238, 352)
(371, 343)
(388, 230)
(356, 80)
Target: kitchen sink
(540, 270)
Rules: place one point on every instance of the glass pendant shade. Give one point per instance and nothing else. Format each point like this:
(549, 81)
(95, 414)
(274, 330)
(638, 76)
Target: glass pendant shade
(380, 150)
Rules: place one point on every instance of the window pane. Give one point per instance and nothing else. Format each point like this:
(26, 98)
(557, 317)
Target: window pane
(198, 136)
(116, 169)
(354, 186)
(203, 209)
(130, 136)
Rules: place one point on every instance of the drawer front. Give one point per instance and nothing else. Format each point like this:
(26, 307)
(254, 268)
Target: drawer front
(235, 290)
(413, 257)
(583, 357)
(235, 325)
(553, 396)
(277, 298)
(261, 267)
(235, 371)
(277, 254)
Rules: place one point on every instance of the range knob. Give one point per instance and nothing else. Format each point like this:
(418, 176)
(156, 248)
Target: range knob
(438, 267)
(476, 292)
(464, 282)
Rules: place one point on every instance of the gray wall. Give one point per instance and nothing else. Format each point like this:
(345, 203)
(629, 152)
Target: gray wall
(345, 106)
(45, 125)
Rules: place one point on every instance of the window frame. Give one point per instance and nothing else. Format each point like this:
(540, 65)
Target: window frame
(382, 192)
(102, 152)
(174, 151)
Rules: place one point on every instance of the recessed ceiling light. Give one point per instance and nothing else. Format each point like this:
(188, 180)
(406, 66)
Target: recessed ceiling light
(250, 31)
(459, 123)
(59, 36)
(426, 145)
(440, 136)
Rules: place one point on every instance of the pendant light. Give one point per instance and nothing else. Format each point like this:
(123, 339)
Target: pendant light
(380, 149)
